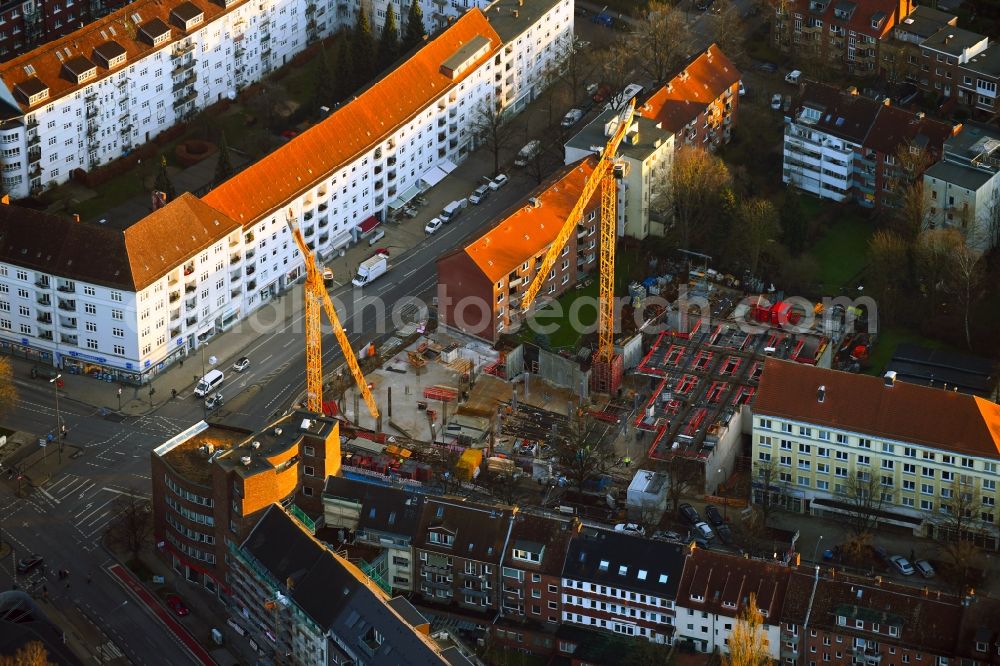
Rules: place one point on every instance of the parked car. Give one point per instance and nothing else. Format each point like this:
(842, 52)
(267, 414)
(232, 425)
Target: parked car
(902, 565)
(498, 182)
(768, 67)
(213, 401)
(700, 541)
(29, 563)
(881, 553)
(666, 535)
(630, 528)
(924, 568)
(725, 533)
(433, 225)
(571, 118)
(713, 515)
(776, 101)
(743, 88)
(327, 274)
(689, 514)
(704, 530)
(793, 76)
(242, 363)
(479, 195)
(602, 93)
(176, 604)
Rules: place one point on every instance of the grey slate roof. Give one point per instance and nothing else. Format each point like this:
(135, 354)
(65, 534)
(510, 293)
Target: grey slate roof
(663, 562)
(328, 592)
(956, 174)
(952, 40)
(651, 137)
(388, 510)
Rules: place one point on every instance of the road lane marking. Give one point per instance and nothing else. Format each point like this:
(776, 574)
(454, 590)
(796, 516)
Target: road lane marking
(46, 493)
(79, 519)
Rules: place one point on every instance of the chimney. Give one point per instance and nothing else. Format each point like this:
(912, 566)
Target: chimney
(949, 38)
(516, 13)
(76, 217)
(890, 378)
(821, 394)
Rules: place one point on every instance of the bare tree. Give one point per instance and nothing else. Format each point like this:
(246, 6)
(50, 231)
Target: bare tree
(445, 469)
(906, 183)
(504, 486)
(618, 62)
(751, 530)
(576, 65)
(748, 640)
(729, 30)
(697, 182)
(888, 265)
(29, 654)
(132, 526)
(960, 531)
(492, 129)
(758, 227)
(864, 497)
(967, 273)
(663, 40)
(583, 451)
(684, 476)
(768, 488)
(8, 390)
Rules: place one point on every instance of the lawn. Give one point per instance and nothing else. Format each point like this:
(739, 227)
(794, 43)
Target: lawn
(842, 252)
(891, 338)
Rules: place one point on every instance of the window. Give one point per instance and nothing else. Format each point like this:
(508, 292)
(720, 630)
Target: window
(864, 443)
(90, 308)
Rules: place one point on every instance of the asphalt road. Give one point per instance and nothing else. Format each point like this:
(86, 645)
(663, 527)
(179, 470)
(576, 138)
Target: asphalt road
(64, 517)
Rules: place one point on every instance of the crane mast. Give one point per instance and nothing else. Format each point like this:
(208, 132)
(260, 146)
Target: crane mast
(317, 298)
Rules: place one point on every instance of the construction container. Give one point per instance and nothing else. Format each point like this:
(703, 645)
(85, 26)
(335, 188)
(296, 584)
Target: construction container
(467, 467)
(496, 465)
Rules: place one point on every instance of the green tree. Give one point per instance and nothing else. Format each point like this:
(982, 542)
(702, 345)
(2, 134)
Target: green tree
(758, 226)
(162, 182)
(223, 166)
(343, 66)
(793, 224)
(324, 88)
(415, 32)
(363, 43)
(388, 43)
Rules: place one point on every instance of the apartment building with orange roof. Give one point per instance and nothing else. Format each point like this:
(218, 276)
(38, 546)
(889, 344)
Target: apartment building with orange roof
(90, 96)
(480, 285)
(699, 104)
(196, 266)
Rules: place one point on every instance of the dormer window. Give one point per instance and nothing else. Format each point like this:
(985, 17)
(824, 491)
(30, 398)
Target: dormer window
(441, 538)
(842, 620)
(526, 555)
(604, 565)
(78, 69)
(877, 20)
(187, 16)
(893, 631)
(697, 597)
(155, 32)
(110, 54)
(32, 91)
(729, 604)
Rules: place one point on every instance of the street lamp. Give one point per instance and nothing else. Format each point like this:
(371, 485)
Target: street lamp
(816, 549)
(59, 431)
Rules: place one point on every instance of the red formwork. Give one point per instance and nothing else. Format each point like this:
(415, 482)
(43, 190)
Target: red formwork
(606, 377)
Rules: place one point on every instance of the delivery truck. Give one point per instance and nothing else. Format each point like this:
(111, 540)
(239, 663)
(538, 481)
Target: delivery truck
(370, 269)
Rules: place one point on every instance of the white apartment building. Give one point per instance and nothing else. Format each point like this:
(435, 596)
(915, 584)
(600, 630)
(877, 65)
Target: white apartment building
(648, 151)
(94, 300)
(963, 189)
(338, 180)
(924, 445)
(91, 96)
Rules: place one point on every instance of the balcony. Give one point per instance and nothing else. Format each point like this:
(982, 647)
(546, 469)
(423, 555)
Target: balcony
(44, 318)
(44, 334)
(251, 270)
(34, 140)
(184, 99)
(175, 314)
(185, 82)
(235, 259)
(91, 96)
(189, 269)
(250, 253)
(181, 50)
(67, 322)
(68, 339)
(183, 67)
(34, 155)
(190, 305)
(91, 112)
(324, 238)
(190, 289)
(32, 124)
(191, 321)
(251, 285)
(69, 306)
(175, 332)
(235, 293)
(43, 299)
(35, 170)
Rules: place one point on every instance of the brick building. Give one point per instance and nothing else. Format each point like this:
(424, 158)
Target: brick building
(943, 53)
(618, 583)
(458, 551)
(845, 620)
(25, 25)
(699, 105)
(212, 483)
(480, 285)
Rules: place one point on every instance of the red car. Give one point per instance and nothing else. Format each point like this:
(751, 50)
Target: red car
(602, 92)
(177, 605)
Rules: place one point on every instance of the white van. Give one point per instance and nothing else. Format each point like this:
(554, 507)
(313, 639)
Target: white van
(209, 383)
(631, 91)
(528, 153)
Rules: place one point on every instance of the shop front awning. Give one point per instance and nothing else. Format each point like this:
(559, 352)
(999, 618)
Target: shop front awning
(432, 177)
(369, 224)
(447, 166)
(404, 197)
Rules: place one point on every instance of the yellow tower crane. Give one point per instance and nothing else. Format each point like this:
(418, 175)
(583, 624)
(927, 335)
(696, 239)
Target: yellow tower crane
(316, 298)
(606, 379)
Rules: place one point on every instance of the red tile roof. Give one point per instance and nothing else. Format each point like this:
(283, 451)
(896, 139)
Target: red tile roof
(895, 127)
(355, 127)
(725, 583)
(860, 20)
(905, 412)
(529, 229)
(689, 93)
(118, 27)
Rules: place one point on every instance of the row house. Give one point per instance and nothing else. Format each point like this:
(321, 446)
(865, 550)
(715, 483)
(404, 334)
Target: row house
(962, 190)
(943, 54)
(849, 32)
(25, 25)
(924, 446)
(841, 620)
(648, 149)
(459, 549)
(373, 515)
(902, 57)
(699, 104)
(305, 604)
(715, 589)
(480, 284)
(95, 300)
(531, 592)
(212, 483)
(978, 79)
(92, 95)
(842, 146)
(241, 252)
(622, 584)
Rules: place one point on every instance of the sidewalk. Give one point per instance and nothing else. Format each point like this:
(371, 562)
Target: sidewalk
(84, 638)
